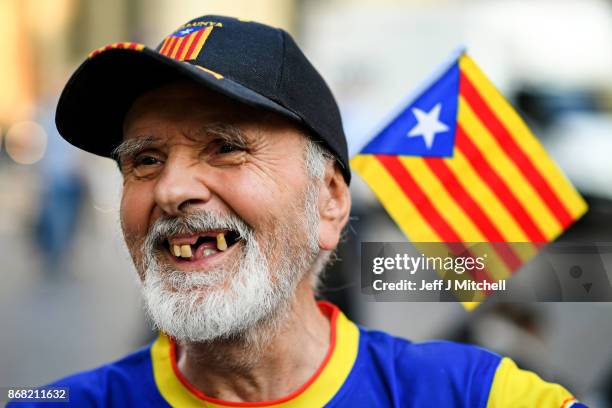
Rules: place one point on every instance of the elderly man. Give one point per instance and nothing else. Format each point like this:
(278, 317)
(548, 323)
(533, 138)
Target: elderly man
(235, 194)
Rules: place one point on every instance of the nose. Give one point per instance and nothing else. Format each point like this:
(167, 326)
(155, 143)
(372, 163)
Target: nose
(181, 186)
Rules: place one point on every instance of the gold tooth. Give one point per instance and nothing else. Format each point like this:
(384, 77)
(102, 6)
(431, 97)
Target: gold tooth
(186, 251)
(176, 250)
(221, 243)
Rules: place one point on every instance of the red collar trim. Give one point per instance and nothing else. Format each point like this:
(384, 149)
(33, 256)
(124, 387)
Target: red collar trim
(330, 310)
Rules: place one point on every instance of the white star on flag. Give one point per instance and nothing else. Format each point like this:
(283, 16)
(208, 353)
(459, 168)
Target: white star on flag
(428, 125)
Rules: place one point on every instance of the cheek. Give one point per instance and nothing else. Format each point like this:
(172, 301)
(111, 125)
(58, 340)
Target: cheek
(259, 202)
(135, 210)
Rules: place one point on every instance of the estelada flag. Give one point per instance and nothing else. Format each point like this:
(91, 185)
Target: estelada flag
(458, 164)
(186, 43)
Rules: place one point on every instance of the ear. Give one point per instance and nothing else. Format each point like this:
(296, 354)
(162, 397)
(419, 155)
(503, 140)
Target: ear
(334, 207)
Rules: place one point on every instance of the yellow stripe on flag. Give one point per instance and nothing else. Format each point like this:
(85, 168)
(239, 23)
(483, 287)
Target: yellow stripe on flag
(445, 205)
(409, 219)
(524, 138)
(450, 211)
(493, 208)
(200, 44)
(177, 47)
(183, 54)
(393, 199)
(490, 204)
(507, 171)
(485, 198)
(164, 48)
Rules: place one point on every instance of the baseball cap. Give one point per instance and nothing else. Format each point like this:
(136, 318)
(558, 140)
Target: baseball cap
(246, 61)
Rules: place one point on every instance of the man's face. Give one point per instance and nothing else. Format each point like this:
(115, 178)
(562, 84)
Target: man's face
(200, 173)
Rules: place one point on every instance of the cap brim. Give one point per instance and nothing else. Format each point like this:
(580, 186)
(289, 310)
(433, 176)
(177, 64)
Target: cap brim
(94, 103)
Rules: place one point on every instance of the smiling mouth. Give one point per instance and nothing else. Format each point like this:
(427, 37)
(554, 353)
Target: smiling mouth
(201, 245)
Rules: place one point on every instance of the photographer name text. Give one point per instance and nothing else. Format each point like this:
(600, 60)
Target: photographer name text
(439, 285)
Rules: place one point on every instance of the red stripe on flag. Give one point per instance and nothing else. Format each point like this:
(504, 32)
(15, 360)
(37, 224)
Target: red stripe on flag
(418, 197)
(414, 193)
(184, 41)
(472, 209)
(164, 47)
(514, 152)
(171, 46)
(423, 204)
(199, 34)
(497, 185)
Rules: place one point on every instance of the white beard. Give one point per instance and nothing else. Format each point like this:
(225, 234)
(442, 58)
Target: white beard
(229, 302)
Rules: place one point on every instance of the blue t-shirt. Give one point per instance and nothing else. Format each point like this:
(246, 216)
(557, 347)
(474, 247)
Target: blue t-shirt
(363, 368)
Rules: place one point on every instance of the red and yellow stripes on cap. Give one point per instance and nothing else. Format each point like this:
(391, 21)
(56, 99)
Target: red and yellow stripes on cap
(185, 48)
(124, 45)
(499, 186)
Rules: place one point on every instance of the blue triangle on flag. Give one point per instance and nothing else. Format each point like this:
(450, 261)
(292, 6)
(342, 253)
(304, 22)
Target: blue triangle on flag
(426, 126)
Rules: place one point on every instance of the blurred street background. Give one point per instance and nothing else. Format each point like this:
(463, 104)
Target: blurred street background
(69, 296)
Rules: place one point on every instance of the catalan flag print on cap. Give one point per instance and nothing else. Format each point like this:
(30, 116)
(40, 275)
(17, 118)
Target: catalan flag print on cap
(186, 43)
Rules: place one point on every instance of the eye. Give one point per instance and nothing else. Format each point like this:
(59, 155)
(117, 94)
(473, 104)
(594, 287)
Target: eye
(228, 148)
(146, 161)
(146, 165)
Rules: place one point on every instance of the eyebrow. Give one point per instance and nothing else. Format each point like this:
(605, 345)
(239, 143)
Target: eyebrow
(131, 147)
(227, 132)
